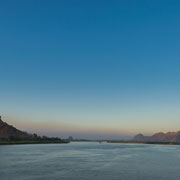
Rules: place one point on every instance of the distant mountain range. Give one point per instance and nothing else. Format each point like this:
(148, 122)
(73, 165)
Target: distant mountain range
(7, 131)
(159, 137)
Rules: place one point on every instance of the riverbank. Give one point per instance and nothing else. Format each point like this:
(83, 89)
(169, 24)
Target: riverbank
(136, 142)
(32, 142)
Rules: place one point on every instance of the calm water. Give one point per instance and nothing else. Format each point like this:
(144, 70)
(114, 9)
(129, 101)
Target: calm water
(90, 161)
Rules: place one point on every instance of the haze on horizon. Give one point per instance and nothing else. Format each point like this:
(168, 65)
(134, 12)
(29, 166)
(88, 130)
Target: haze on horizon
(90, 69)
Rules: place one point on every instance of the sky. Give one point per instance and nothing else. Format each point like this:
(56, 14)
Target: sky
(90, 69)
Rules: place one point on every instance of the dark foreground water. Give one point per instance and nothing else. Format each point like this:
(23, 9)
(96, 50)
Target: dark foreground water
(90, 161)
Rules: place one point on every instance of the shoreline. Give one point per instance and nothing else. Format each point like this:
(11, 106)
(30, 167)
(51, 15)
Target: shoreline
(136, 142)
(32, 142)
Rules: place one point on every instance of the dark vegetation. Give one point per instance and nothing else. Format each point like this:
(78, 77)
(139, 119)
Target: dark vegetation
(32, 139)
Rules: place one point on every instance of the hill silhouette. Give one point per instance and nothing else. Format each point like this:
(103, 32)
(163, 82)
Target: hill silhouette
(159, 137)
(7, 131)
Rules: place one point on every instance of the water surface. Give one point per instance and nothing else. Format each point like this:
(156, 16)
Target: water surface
(90, 161)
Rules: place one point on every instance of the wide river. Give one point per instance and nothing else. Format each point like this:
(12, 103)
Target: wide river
(89, 161)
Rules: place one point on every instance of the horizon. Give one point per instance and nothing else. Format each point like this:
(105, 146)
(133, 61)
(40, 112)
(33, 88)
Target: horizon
(94, 70)
(81, 137)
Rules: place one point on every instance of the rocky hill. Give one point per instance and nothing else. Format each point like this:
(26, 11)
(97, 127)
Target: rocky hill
(159, 137)
(7, 131)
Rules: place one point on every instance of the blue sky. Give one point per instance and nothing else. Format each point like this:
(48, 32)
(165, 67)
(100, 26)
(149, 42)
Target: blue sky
(94, 69)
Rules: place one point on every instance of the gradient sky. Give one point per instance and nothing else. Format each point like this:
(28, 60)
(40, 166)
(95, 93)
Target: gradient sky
(91, 69)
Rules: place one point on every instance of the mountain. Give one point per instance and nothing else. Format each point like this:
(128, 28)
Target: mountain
(140, 137)
(7, 131)
(159, 137)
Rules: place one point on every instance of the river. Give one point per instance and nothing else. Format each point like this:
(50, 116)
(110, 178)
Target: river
(90, 161)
